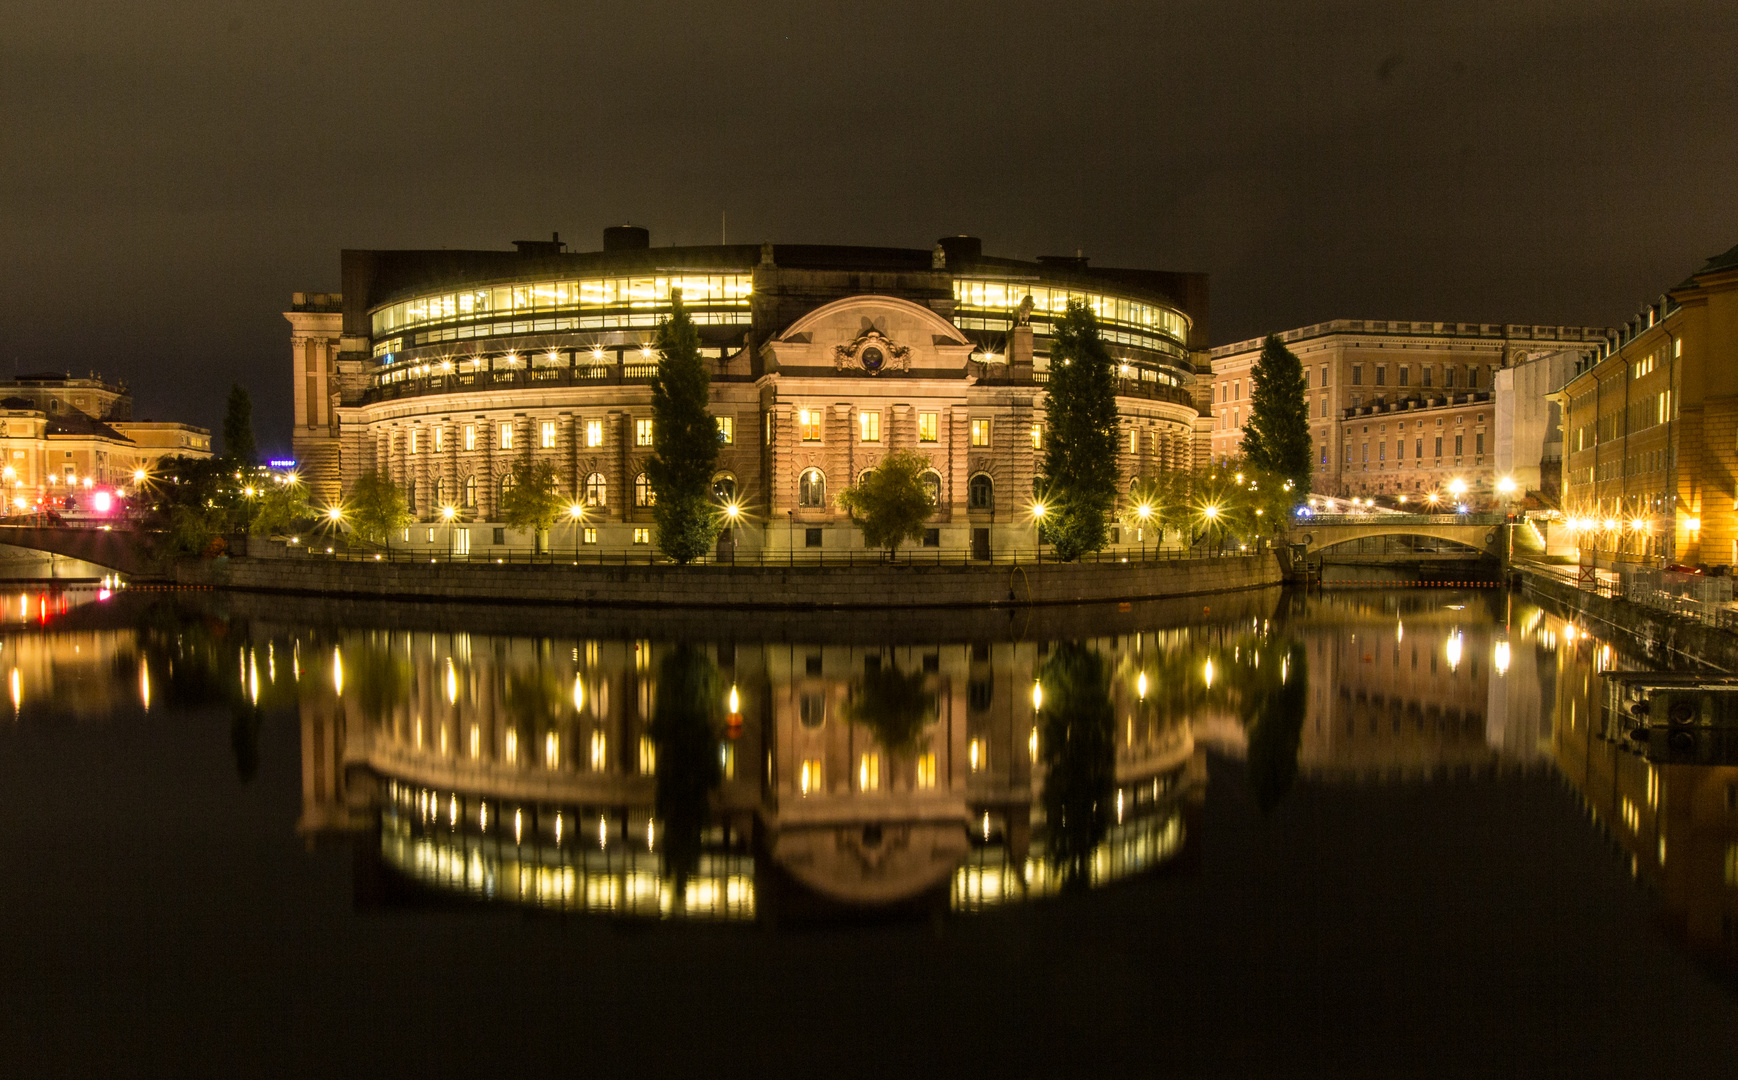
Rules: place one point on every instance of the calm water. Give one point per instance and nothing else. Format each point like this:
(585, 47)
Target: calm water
(1361, 833)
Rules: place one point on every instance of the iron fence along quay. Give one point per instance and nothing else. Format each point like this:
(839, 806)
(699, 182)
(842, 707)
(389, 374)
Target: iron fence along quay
(917, 556)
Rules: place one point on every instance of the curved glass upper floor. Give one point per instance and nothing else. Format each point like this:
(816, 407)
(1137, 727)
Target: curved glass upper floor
(606, 303)
(1122, 321)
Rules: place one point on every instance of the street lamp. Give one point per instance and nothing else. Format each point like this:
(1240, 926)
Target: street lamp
(575, 514)
(447, 515)
(1144, 511)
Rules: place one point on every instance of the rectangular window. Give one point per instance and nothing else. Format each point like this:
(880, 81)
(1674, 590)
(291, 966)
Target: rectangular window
(809, 776)
(868, 772)
(1459, 441)
(1478, 443)
(1399, 449)
(1382, 450)
(1448, 378)
(932, 538)
(506, 436)
(727, 430)
(809, 420)
(500, 535)
(643, 432)
(1357, 374)
(642, 536)
(869, 426)
(812, 538)
(1324, 408)
(1472, 376)
(926, 770)
(413, 440)
(1405, 375)
(1381, 375)
(1237, 390)
(594, 433)
(1427, 371)
(1134, 442)
(1439, 446)
(439, 439)
(470, 436)
(980, 433)
(1366, 453)
(926, 427)
(1037, 436)
(590, 536)
(1324, 377)
(548, 433)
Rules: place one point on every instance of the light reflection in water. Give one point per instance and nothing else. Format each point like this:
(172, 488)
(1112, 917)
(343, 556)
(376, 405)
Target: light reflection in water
(1392, 688)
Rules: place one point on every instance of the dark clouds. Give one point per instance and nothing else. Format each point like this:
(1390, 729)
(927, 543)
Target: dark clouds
(170, 173)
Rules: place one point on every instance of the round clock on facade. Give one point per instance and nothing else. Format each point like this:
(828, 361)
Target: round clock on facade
(873, 358)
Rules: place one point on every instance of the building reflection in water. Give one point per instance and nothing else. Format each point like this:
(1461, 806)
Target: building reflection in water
(646, 778)
(739, 781)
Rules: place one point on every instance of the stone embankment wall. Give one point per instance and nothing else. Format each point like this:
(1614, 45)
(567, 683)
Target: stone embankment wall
(1669, 641)
(825, 587)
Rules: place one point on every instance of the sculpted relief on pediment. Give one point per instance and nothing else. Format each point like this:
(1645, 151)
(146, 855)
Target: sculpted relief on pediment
(872, 335)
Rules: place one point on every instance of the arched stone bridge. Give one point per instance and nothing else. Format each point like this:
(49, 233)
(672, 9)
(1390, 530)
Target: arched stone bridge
(121, 549)
(1468, 536)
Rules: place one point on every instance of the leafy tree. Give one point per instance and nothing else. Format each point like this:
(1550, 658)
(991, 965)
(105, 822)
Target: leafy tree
(685, 721)
(531, 501)
(193, 503)
(238, 444)
(890, 503)
(1080, 441)
(1276, 437)
(1077, 742)
(280, 508)
(893, 704)
(684, 442)
(377, 507)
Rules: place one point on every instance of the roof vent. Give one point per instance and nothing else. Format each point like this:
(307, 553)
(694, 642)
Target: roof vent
(626, 238)
(552, 246)
(961, 249)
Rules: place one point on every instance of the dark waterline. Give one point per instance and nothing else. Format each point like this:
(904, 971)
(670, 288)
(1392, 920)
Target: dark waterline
(1447, 878)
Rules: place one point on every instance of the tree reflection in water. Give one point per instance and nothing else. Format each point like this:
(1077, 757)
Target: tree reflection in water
(1077, 741)
(685, 723)
(1274, 697)
(895, 706)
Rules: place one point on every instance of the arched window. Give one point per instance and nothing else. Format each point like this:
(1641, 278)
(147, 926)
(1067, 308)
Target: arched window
(932, 488)
(410, 497)
(506, 484)
(981, 495)
(643, 494)
(470, 493)
(812, 489)
(724, 488)
(595, 490)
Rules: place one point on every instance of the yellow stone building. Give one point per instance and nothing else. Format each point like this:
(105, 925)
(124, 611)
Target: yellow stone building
(60, 436)
(1650, 431)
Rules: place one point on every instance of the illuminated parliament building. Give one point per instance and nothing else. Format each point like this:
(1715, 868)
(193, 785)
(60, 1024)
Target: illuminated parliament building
(440, 369)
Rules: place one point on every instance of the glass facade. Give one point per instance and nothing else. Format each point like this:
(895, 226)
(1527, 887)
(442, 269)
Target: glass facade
(638, 300)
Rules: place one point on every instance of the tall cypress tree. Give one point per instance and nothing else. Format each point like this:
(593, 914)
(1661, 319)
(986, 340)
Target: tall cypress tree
(1277, 436)
(684, 442)
(238, 444)
(1079, 479)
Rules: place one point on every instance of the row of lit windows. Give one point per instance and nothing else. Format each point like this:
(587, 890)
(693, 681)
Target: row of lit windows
(1005, 296)
(548, 435)
(928, 428)
(649, 292)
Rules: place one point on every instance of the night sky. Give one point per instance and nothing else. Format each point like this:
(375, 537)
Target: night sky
(171, 172)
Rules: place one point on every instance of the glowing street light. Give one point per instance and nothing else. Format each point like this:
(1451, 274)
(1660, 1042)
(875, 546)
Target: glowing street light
(1506, 485)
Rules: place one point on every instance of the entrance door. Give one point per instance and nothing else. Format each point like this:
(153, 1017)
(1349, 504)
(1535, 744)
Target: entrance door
(980, 543)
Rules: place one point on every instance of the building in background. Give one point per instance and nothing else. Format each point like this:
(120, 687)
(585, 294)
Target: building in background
(441, 369)
(61, 437)
(1398, 410)
(1529, 431)
(1651, 430)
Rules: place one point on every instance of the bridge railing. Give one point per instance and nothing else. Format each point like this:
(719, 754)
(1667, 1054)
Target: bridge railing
(1319, 520)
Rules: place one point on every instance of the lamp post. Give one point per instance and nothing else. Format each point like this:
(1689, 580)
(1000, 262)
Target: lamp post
(447, 515)
(1038, 511)
(732, 512)
(1144, 511)
(575, 515)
